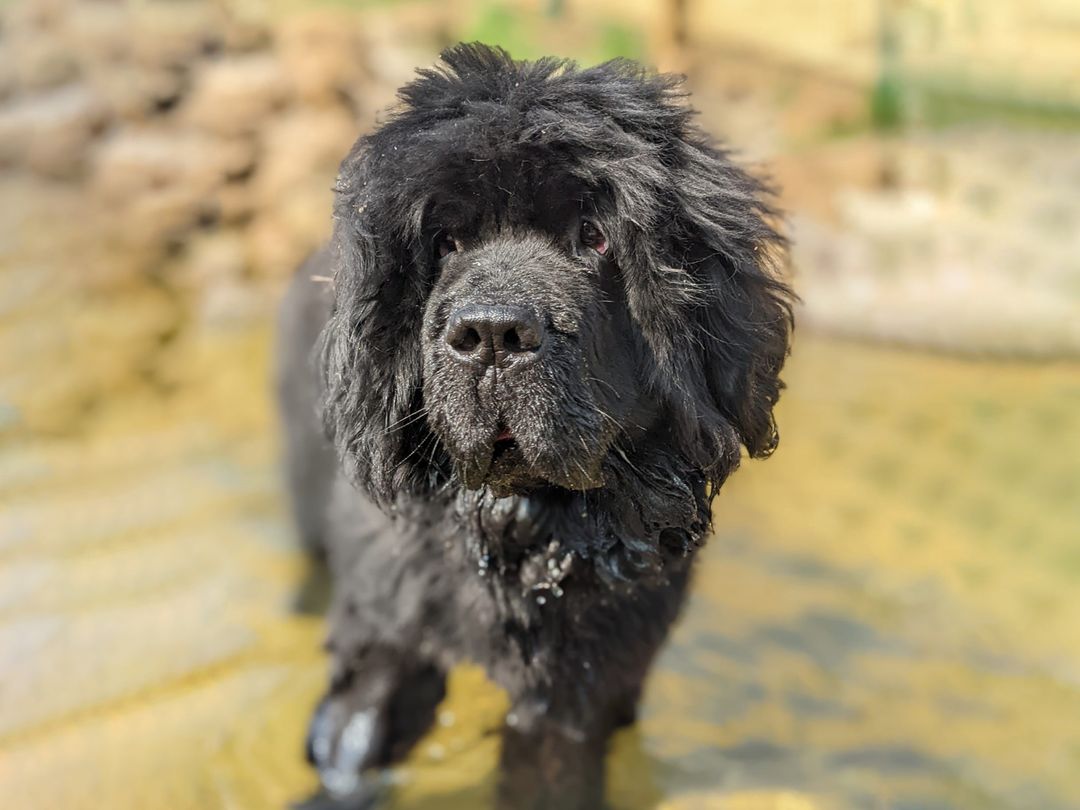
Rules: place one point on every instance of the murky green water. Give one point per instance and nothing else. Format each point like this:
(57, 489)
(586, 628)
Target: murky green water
(887, 617)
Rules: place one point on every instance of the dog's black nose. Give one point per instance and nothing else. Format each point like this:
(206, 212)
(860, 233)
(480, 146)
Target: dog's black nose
(494, 334)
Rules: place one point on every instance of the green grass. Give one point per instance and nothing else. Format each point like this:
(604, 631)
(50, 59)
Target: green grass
(942, 100)
(946, 102)
(529, 35)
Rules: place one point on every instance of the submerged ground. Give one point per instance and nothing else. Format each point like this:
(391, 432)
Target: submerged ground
(886, 617)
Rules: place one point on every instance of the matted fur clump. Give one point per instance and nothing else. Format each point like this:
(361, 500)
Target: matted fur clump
(552, 323)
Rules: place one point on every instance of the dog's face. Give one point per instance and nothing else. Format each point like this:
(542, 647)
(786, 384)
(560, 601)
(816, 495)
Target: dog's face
(544, 271)
(530, 357)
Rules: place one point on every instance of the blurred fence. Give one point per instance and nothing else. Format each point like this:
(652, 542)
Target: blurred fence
(1008, 50)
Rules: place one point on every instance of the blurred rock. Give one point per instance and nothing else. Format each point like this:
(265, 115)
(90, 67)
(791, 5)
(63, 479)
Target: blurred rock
(324, 58)
(9, 80)
(291, 189)
(137, 95)
(215, 270)
(299, 145)
(236, 95)
(232, 302)
(98, 34)
(245, 34)
(174, 34)
(278, 241)
(34, 16)
(148, 159)
(32, 63)
(51, 133)
(234, 203)
(157, 183)
(392, 64)
(184, 117)
(218, 255)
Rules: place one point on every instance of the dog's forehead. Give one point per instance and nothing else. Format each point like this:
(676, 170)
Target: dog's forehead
(474, 190)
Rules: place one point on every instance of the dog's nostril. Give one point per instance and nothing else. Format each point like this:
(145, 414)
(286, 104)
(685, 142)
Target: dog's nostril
(469, 341)
(463, 336)
(511, 341)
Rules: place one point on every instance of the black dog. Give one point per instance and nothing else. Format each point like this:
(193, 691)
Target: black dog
(549, 321)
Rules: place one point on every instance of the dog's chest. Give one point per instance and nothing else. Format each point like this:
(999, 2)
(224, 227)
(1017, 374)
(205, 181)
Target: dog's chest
(519, 589)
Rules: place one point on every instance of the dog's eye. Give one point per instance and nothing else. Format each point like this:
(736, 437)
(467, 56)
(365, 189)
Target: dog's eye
(445, 245)
(593, 237)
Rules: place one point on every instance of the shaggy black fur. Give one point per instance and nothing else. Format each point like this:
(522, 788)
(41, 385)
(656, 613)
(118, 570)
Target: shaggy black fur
(552, 322)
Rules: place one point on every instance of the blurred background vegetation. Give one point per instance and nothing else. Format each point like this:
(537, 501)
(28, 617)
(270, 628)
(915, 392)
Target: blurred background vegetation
(887, 615)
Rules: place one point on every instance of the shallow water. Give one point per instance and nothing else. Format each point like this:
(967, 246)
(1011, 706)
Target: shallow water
(886, 617)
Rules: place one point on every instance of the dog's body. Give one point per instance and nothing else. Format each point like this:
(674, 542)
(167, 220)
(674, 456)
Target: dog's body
(548, 324)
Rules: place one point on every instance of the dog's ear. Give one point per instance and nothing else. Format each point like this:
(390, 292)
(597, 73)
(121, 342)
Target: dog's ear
(720, 315)
(370, 354)
(744, 322)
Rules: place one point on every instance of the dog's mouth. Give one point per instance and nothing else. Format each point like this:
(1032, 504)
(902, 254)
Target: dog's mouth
(506, 455)
(500, 463)
(504, 443)
(509, 471)
(507, 467)
(515, 451)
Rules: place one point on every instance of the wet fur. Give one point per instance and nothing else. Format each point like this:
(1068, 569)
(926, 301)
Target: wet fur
(559, 573)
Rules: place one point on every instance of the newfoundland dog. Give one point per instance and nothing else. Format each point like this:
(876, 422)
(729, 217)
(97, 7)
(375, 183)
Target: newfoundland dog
(547, 322)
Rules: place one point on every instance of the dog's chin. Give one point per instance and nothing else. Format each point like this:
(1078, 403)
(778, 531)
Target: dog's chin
(506, 469)
(510, 473)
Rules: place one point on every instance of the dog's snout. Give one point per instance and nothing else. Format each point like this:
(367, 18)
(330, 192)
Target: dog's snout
(494, 334)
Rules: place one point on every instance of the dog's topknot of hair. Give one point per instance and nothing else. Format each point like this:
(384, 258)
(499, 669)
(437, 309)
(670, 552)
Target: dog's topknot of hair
(470, 77)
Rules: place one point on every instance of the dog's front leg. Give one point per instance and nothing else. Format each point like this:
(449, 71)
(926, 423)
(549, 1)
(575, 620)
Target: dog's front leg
(551, 760)
(382, 698)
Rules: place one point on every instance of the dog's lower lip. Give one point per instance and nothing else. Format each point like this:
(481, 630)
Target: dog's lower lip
(502, 447)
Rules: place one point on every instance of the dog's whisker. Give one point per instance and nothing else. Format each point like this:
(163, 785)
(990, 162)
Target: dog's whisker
(622, 454)
(402, 424)
(418, 449)
(434, 449)
(604, 383)
(615, 421)
(407, 420)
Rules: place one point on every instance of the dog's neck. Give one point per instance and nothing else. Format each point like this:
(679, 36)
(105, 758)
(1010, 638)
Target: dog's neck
(651, 508)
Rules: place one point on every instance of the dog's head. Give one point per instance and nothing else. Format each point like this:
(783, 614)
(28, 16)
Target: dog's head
(544, 270)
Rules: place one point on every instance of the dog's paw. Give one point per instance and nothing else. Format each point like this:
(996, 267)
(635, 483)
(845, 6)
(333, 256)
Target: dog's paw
(344, 741)
(364, 799)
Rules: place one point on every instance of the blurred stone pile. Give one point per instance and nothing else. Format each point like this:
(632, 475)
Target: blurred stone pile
(972, 245)
(203, 140)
